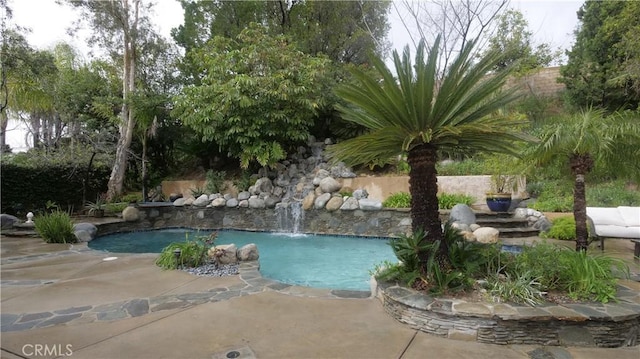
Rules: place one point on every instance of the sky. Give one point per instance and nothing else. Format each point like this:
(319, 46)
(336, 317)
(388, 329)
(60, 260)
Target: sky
(550, 21)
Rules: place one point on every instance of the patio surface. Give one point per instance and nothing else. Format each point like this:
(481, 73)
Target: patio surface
(67, 301)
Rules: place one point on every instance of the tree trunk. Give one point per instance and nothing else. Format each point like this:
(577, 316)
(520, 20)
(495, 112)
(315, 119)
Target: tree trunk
(4, 120)
(116, 179)
(580, 213)
(423, 186)
(144, 169)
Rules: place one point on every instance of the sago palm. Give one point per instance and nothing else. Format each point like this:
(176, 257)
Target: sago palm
(417, 115)
(587, 139)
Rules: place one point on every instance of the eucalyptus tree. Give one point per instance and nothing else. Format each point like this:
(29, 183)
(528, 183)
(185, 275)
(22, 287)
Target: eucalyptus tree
(585, 140)
(419, 115)
(119, 27)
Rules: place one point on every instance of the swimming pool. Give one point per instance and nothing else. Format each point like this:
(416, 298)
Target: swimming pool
(335, 262)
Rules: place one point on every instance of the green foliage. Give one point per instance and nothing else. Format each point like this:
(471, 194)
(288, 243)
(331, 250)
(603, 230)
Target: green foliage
(55, 227)
(193, 252)
(514, 40)
(407, 249)
(522, 288)
(244, 181)
(115, 208)
(582, 275)
(258, 96)
(466, 167)
(448, 200)
(602, 68)
(590, 276)
(445, 200)
(612, 194)
(398, 200)
(29, 180)
(197, 191)
(131, 197)
(563, 228)
(215, 181)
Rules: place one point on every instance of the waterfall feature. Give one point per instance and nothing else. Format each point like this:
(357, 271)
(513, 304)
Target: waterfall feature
(290, 216)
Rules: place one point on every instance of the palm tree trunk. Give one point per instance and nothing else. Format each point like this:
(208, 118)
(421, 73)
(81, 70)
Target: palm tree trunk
(580, 213)
(423, 186)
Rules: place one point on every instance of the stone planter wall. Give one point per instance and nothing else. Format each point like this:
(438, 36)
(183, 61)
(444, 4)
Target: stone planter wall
(585, 325)
(382, 223)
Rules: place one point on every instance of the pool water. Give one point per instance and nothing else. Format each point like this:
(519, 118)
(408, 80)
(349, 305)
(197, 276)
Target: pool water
(336, 262)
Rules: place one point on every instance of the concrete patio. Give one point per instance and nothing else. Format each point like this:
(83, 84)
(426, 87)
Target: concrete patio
(60, 300)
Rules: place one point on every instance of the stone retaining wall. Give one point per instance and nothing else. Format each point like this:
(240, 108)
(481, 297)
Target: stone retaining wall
(383, 223)
(591, 325)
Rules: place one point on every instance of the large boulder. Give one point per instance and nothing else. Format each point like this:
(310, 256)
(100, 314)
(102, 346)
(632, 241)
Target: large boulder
(8, 220)
(487, 235)
(180, 202)
(263, 185)
(248, 252)
(369, 204)
(202, 201)
(130, 214)
(321, 200)
(308, 201)
(351, 204)
(462, 213)
(334, 203)
(218, 202)
(330, 185)
(243, 195)
(224, 254)
(360, 193)
(85, 232)
(257, 203)
(232, 202)
(271, 201)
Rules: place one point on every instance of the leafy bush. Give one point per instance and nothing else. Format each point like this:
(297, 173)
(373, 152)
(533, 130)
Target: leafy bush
(612, 194)
(131, 198)
(407, 249)
(215, 181)
(243, 182)
(563, 228)
(193, 253)
(398, 200)
(55, 227)
(448, 200)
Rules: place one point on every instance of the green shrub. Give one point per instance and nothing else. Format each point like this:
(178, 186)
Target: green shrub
(582, 275)
(131, 198)
(215, 181)
(55, 227)
(612, 194)
(445, 200)
(193, 253)
(243, 182)
(406, 248)
(563, 228)
(588, 276)
(461, 168)
(448, 200)
(197, 191)
(116, 208)
(398, 200)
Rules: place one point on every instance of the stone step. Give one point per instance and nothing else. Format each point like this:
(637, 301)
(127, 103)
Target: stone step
(518, 232)
(502, 222)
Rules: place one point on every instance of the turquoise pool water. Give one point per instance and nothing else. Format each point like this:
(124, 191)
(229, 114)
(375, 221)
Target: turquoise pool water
(336, 262)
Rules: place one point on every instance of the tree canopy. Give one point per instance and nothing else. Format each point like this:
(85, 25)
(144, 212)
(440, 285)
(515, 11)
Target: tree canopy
(603, 68)
(257, 95)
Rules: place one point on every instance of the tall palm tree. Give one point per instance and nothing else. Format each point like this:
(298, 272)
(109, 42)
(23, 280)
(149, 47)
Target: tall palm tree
(587, 139)
(418, 115)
